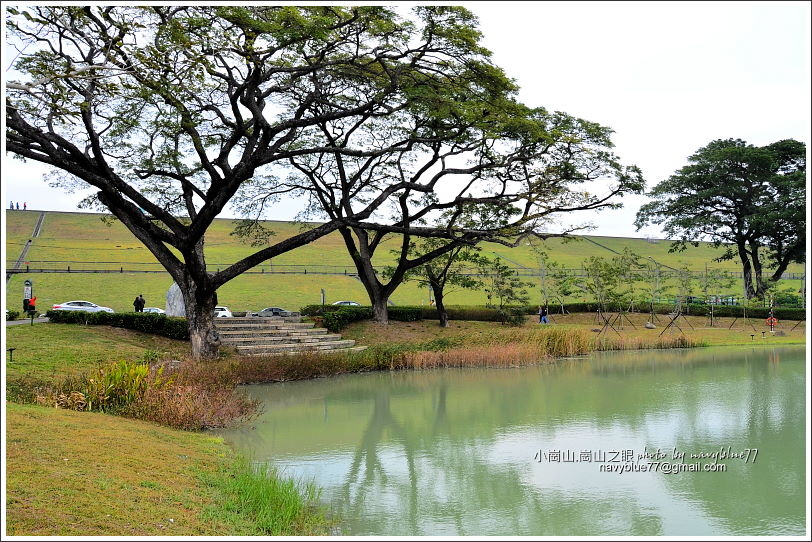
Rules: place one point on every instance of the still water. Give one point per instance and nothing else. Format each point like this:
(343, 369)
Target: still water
(545, 450)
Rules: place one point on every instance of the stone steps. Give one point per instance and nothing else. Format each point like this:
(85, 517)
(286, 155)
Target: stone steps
(248, 320)
(260, 326)
(263, 333)
(351, 349)
(279, 335)
(237, 341)
(295, 347)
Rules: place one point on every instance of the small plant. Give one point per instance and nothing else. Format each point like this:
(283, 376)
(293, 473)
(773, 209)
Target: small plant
(11, 314)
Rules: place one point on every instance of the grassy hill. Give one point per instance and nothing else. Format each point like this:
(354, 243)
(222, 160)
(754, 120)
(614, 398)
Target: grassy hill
(85, 241)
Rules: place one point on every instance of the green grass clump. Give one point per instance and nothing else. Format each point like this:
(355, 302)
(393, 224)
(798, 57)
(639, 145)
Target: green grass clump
(90, 474)
(271, 505)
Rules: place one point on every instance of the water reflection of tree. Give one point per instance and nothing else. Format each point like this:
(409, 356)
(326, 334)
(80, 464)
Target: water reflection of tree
(754, 498)
(452, 487)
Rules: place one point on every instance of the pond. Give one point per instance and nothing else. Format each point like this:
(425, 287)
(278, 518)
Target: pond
(679, 442)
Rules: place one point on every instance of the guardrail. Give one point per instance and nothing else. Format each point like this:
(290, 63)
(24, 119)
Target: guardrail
(75, 266)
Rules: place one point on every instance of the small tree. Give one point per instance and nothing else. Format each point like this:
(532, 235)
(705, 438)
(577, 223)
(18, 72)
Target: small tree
(601, 280)
(656, 286)
(685, 283)
(504, 290)
(444, 274)
(555, 282)
(711, 282)
(629, 273)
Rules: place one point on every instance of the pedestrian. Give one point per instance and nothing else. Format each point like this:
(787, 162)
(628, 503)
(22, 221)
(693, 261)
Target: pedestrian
(141, 302)
(25, 205)
(137, 304)
(18, 205)
(32, 304)
(11, 205)
(542, 315)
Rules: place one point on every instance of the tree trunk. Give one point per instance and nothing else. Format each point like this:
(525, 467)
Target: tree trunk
(757, 270)
(747, 272)
(203, 335)
(442, 313)
(380, 312)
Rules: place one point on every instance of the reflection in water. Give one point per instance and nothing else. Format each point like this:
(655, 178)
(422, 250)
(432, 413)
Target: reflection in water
(461, 452)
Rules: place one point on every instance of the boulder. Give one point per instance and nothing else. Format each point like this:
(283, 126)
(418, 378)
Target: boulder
(175, 306)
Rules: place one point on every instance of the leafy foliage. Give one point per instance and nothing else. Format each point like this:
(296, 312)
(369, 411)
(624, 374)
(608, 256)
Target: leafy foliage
(159, 324)
(732, 192)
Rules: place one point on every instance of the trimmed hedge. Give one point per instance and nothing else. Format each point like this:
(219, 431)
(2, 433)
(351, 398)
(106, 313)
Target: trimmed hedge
(338, 318)
(158, 324)
(484, 314)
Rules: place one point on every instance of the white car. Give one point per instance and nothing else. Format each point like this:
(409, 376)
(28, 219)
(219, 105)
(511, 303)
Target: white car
(86, 306)
(347, 303)
(222, 312)
(154, 310)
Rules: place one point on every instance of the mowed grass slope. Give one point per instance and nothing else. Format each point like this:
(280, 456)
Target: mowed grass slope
(85, 241)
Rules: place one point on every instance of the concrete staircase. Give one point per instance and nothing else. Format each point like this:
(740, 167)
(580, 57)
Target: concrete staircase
(279, 335)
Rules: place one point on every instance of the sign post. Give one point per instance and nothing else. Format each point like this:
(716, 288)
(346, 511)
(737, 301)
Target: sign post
(28, 290)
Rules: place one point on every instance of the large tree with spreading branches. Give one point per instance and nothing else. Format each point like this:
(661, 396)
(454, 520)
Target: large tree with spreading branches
(172, 112)
(751, 199)
(481, 168)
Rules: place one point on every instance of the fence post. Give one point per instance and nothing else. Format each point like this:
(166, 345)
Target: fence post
(68, 269)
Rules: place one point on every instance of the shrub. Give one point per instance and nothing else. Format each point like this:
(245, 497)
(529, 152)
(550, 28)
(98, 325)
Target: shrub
(336, 320)
(11, 314)
(159, 324)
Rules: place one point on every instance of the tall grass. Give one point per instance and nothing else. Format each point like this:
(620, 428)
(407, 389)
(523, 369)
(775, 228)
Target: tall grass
(273, 505)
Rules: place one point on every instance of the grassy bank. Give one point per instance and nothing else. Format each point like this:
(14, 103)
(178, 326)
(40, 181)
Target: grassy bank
(89, 474)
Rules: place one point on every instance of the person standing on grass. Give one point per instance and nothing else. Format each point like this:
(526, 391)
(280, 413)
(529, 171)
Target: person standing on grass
(542, 315)
(141, 302)
(137, 304)
(25, 205)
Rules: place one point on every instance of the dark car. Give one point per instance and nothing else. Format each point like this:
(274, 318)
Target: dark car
(273, 311)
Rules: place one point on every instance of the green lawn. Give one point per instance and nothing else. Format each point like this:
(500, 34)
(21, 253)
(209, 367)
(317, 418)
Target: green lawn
(46, 351)
(90, 243)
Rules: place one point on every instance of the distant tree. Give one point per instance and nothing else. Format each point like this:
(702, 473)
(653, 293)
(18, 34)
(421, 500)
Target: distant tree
(494, 177)
(629, 273)
(555, 281)
(444, 274)
(712, 281)
(601, 280)
(750, 197)
(504, 290)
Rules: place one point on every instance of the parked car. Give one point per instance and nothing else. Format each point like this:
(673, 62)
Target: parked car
(273, 311)
(222, 312)
(350, 303)
(86, 306)
(154, 310)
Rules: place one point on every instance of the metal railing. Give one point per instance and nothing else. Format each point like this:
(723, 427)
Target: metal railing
(76, 266)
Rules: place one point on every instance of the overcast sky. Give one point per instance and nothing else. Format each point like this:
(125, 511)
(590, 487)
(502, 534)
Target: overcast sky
(668, 77)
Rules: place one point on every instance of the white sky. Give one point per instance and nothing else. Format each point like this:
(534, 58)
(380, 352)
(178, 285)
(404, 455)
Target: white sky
(668, 77)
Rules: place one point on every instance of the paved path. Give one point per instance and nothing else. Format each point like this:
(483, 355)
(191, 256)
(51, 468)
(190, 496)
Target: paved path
(24, 253)
(40, 320)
